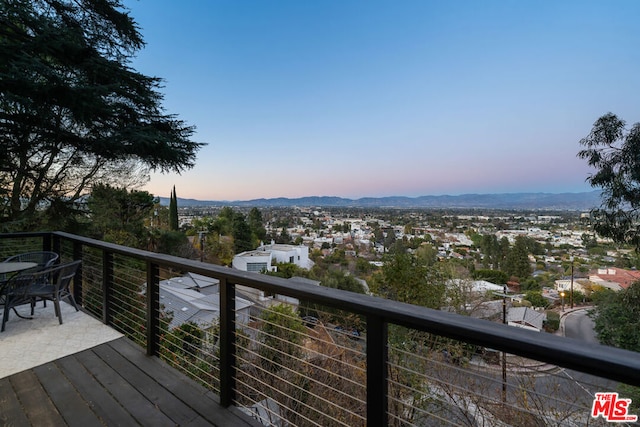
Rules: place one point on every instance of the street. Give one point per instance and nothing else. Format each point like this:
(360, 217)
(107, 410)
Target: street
(558, 395)
(579, 325)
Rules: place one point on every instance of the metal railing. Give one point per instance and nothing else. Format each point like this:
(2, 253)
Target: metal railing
(353, 360)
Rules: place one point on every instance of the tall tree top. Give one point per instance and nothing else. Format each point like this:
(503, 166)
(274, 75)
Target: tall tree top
(72, 111)
(613, 151)
(173, 210)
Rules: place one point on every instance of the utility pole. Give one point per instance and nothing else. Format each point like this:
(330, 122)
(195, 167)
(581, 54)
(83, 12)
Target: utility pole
(202, 246)
(571, 296)
(504, 355)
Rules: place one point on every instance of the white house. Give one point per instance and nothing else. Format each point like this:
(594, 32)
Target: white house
(256, 261)
(262, 258)
(564, 285)
(293, 254)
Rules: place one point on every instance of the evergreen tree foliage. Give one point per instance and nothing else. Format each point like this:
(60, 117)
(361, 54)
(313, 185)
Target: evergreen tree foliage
(241, 232)
(283, 237)
(533, 246)
(517, 260)
(174, 243)
(118, 215)
(494, 250)
(536, 299)
(224, 221)
(389, 239)
(494, 276)
(258, 232)
(72, 111)
(338, 279)
(427, 253)
(173, 210)
(407, 278)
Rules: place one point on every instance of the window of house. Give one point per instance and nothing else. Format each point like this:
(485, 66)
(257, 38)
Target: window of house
(256, 266)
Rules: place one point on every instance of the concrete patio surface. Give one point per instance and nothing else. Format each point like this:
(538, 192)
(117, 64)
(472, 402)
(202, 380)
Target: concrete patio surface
(27, 343)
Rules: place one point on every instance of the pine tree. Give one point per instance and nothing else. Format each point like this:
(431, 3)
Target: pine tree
(74, 113)
(517, 261)
(173, 210)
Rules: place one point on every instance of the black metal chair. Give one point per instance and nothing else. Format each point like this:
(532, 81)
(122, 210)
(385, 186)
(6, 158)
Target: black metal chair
(13, 293)
(43, 258)
(48, 284)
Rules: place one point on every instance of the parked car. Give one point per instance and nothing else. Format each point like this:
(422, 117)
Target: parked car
(310, 321)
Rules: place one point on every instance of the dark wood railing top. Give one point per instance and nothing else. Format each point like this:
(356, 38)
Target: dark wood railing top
(608, 362)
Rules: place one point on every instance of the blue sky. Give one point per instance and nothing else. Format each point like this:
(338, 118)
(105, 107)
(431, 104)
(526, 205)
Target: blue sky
(373, 98)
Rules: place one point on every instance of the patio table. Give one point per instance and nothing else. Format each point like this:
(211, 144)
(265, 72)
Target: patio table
(14, 267)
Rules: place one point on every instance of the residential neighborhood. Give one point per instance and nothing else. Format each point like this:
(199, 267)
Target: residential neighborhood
(566, 241)
(285, 214)
(567, 264)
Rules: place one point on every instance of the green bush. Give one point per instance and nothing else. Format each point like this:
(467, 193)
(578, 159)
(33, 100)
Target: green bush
(536, 299)
(553, 321)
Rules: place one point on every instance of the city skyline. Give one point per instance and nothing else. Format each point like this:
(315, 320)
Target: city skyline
(372, 99)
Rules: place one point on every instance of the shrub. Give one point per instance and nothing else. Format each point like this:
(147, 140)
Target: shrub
(553, 321)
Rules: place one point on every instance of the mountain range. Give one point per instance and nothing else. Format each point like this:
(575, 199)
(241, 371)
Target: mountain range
(524, 201)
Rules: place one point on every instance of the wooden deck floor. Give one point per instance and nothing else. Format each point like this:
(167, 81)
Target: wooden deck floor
(111, 384)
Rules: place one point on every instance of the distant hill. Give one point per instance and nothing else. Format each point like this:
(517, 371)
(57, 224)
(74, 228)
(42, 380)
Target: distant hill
(526, 201)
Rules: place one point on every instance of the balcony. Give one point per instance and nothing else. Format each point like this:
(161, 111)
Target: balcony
(406, 365)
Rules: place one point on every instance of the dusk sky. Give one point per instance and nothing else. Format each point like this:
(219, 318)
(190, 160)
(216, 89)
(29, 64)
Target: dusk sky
(375, 98)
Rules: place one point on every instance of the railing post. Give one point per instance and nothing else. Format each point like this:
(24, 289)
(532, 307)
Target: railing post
(77, 280)
(153, 308)
(107, 287)
(227, 343)
(46, 242)
(77, 250)
(56, 246)
(377, 372)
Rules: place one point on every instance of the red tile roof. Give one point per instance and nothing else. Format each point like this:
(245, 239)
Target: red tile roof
(618, 275)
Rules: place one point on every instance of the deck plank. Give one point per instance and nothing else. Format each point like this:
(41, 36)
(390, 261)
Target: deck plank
(11, 412)
(97, 398)
(114, 383)
(136, 404)
(37, 406)
(71, 405)
(161, 398)
(198, 397)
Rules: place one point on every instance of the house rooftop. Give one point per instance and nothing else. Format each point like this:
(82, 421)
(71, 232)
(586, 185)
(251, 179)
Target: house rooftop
(526, 316)
(622, 277)
(256, 253)
(180, 295)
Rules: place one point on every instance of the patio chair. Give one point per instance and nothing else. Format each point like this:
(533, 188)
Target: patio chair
(49, 284)
(44, 259)
(13, 293)
(57, 288)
